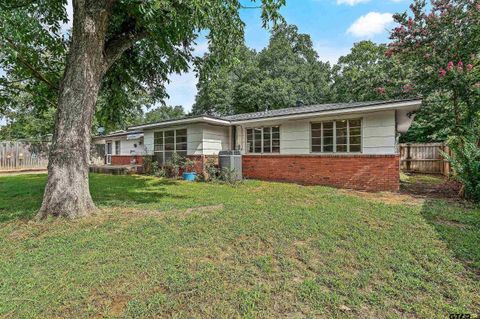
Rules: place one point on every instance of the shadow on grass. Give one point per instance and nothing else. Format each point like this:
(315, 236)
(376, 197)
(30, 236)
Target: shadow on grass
(21, 195)
(458, 225)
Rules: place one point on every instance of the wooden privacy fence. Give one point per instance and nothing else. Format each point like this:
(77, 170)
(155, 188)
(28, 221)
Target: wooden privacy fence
(23, 155)
(424, 158)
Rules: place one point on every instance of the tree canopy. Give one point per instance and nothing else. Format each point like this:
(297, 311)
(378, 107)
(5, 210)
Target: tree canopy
(286, 71)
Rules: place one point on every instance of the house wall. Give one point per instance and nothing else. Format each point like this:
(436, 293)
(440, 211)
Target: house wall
(202, 139)
(363, 172)
(127, 147)
(378, 133)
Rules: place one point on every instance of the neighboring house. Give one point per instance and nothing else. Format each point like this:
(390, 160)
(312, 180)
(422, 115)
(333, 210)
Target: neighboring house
(351, 145)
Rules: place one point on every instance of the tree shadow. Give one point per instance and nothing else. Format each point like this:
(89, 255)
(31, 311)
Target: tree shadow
(21, 195)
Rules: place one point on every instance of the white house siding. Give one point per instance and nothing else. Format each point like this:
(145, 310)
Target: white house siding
(202, 139)
(215, 139)
(378, 133)
(127, 147)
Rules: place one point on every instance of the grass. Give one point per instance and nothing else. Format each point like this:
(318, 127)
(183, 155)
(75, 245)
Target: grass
(161, 248)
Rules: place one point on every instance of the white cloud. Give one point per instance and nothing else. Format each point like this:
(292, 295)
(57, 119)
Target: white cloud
(370, 24)
(330, 53)
(352, 2)
(182, 90)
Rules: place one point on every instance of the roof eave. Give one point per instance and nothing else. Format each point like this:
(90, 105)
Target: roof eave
(200, 119)
(411, 105)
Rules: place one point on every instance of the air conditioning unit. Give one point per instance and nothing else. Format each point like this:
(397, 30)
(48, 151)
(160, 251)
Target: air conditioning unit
(231, 160)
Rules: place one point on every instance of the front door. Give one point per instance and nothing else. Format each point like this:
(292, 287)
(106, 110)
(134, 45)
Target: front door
(108, 156)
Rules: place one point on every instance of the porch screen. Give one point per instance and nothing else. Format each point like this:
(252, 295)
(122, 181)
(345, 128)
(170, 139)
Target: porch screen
(341, 136)
(263, 139)
(168, 142)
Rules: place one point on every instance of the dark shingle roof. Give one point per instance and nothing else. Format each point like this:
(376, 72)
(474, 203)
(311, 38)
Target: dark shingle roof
(307, 109)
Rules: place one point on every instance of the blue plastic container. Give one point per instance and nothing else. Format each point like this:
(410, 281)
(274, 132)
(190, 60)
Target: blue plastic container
(189, 176)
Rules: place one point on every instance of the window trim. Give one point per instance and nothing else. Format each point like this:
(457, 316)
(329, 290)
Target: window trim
(174, 141)
(247, 151)
(335, 136)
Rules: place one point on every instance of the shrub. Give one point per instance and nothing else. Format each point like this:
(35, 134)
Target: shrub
(211, 170)
(148, 165)
(189, 165)
(173, 165)
(466, 164)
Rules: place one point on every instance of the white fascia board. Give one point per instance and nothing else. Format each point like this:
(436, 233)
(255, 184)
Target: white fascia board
(411, 105)
(202, 119)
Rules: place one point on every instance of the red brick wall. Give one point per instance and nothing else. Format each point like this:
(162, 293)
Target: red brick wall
(363, 172)
(126, 160)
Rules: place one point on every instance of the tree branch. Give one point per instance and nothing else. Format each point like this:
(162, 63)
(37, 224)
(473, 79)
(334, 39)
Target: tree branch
(35, 73)
(115, 47)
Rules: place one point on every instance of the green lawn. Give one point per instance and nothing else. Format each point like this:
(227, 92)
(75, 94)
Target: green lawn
(162, 248)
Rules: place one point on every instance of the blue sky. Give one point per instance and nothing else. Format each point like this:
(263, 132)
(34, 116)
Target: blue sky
(334, 25)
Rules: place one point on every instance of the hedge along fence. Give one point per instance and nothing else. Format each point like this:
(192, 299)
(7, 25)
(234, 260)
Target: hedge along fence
(424, 158)
(23, 155)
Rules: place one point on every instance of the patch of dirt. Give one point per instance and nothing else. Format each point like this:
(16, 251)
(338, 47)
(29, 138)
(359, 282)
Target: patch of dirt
(448, 189)
(451, 223)
(386, 197)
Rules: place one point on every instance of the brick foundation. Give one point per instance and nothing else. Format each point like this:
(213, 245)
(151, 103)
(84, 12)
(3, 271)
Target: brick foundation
(126, 159)
(362, 172)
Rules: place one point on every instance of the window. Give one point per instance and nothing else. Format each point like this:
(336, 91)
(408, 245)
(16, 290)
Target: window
(165, 143)
(263, 139)
(117, 147)
(342, 136)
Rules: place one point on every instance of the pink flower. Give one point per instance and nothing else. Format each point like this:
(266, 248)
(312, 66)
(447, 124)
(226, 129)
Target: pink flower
(442, 72)
(460, 66)
(407, 88)
(450, 66)
(389, 53)
(469, 67)
(380, 90)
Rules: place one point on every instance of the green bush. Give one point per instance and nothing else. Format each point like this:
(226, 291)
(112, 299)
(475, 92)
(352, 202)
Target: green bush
(465, 161)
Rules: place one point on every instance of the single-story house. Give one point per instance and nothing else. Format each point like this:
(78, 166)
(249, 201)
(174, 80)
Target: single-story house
(351, 145)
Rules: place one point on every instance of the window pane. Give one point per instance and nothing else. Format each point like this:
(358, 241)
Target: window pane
(355, 131)
(327, 137)
(266, 139)
(316, 141)
(327, 148)
(341, 131)
(341, 147)
(159, 158)
(316, 126)
(158, 141)
(355, 148)
(182, 153)
(328, 125)
(327, 140)
(316, 133)
(250, 140)
(169, 141)
(355, 140)
(316, 148)
(168, 156)
(181, 147)
(258, 140)
(355, 123)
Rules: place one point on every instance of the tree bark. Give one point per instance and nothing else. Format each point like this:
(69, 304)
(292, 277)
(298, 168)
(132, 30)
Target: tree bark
(67, 192)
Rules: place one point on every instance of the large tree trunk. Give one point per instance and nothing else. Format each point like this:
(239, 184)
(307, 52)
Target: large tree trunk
(67, 191)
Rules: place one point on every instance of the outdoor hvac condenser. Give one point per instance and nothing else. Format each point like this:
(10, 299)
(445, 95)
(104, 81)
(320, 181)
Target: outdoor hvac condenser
(231, 160)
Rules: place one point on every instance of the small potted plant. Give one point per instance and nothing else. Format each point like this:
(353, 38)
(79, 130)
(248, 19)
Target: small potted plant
(189, 173)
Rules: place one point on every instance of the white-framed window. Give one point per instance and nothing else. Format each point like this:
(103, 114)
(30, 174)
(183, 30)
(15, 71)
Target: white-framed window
(117, 147)
(339, 136)
(167, 142)
(263, 139)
